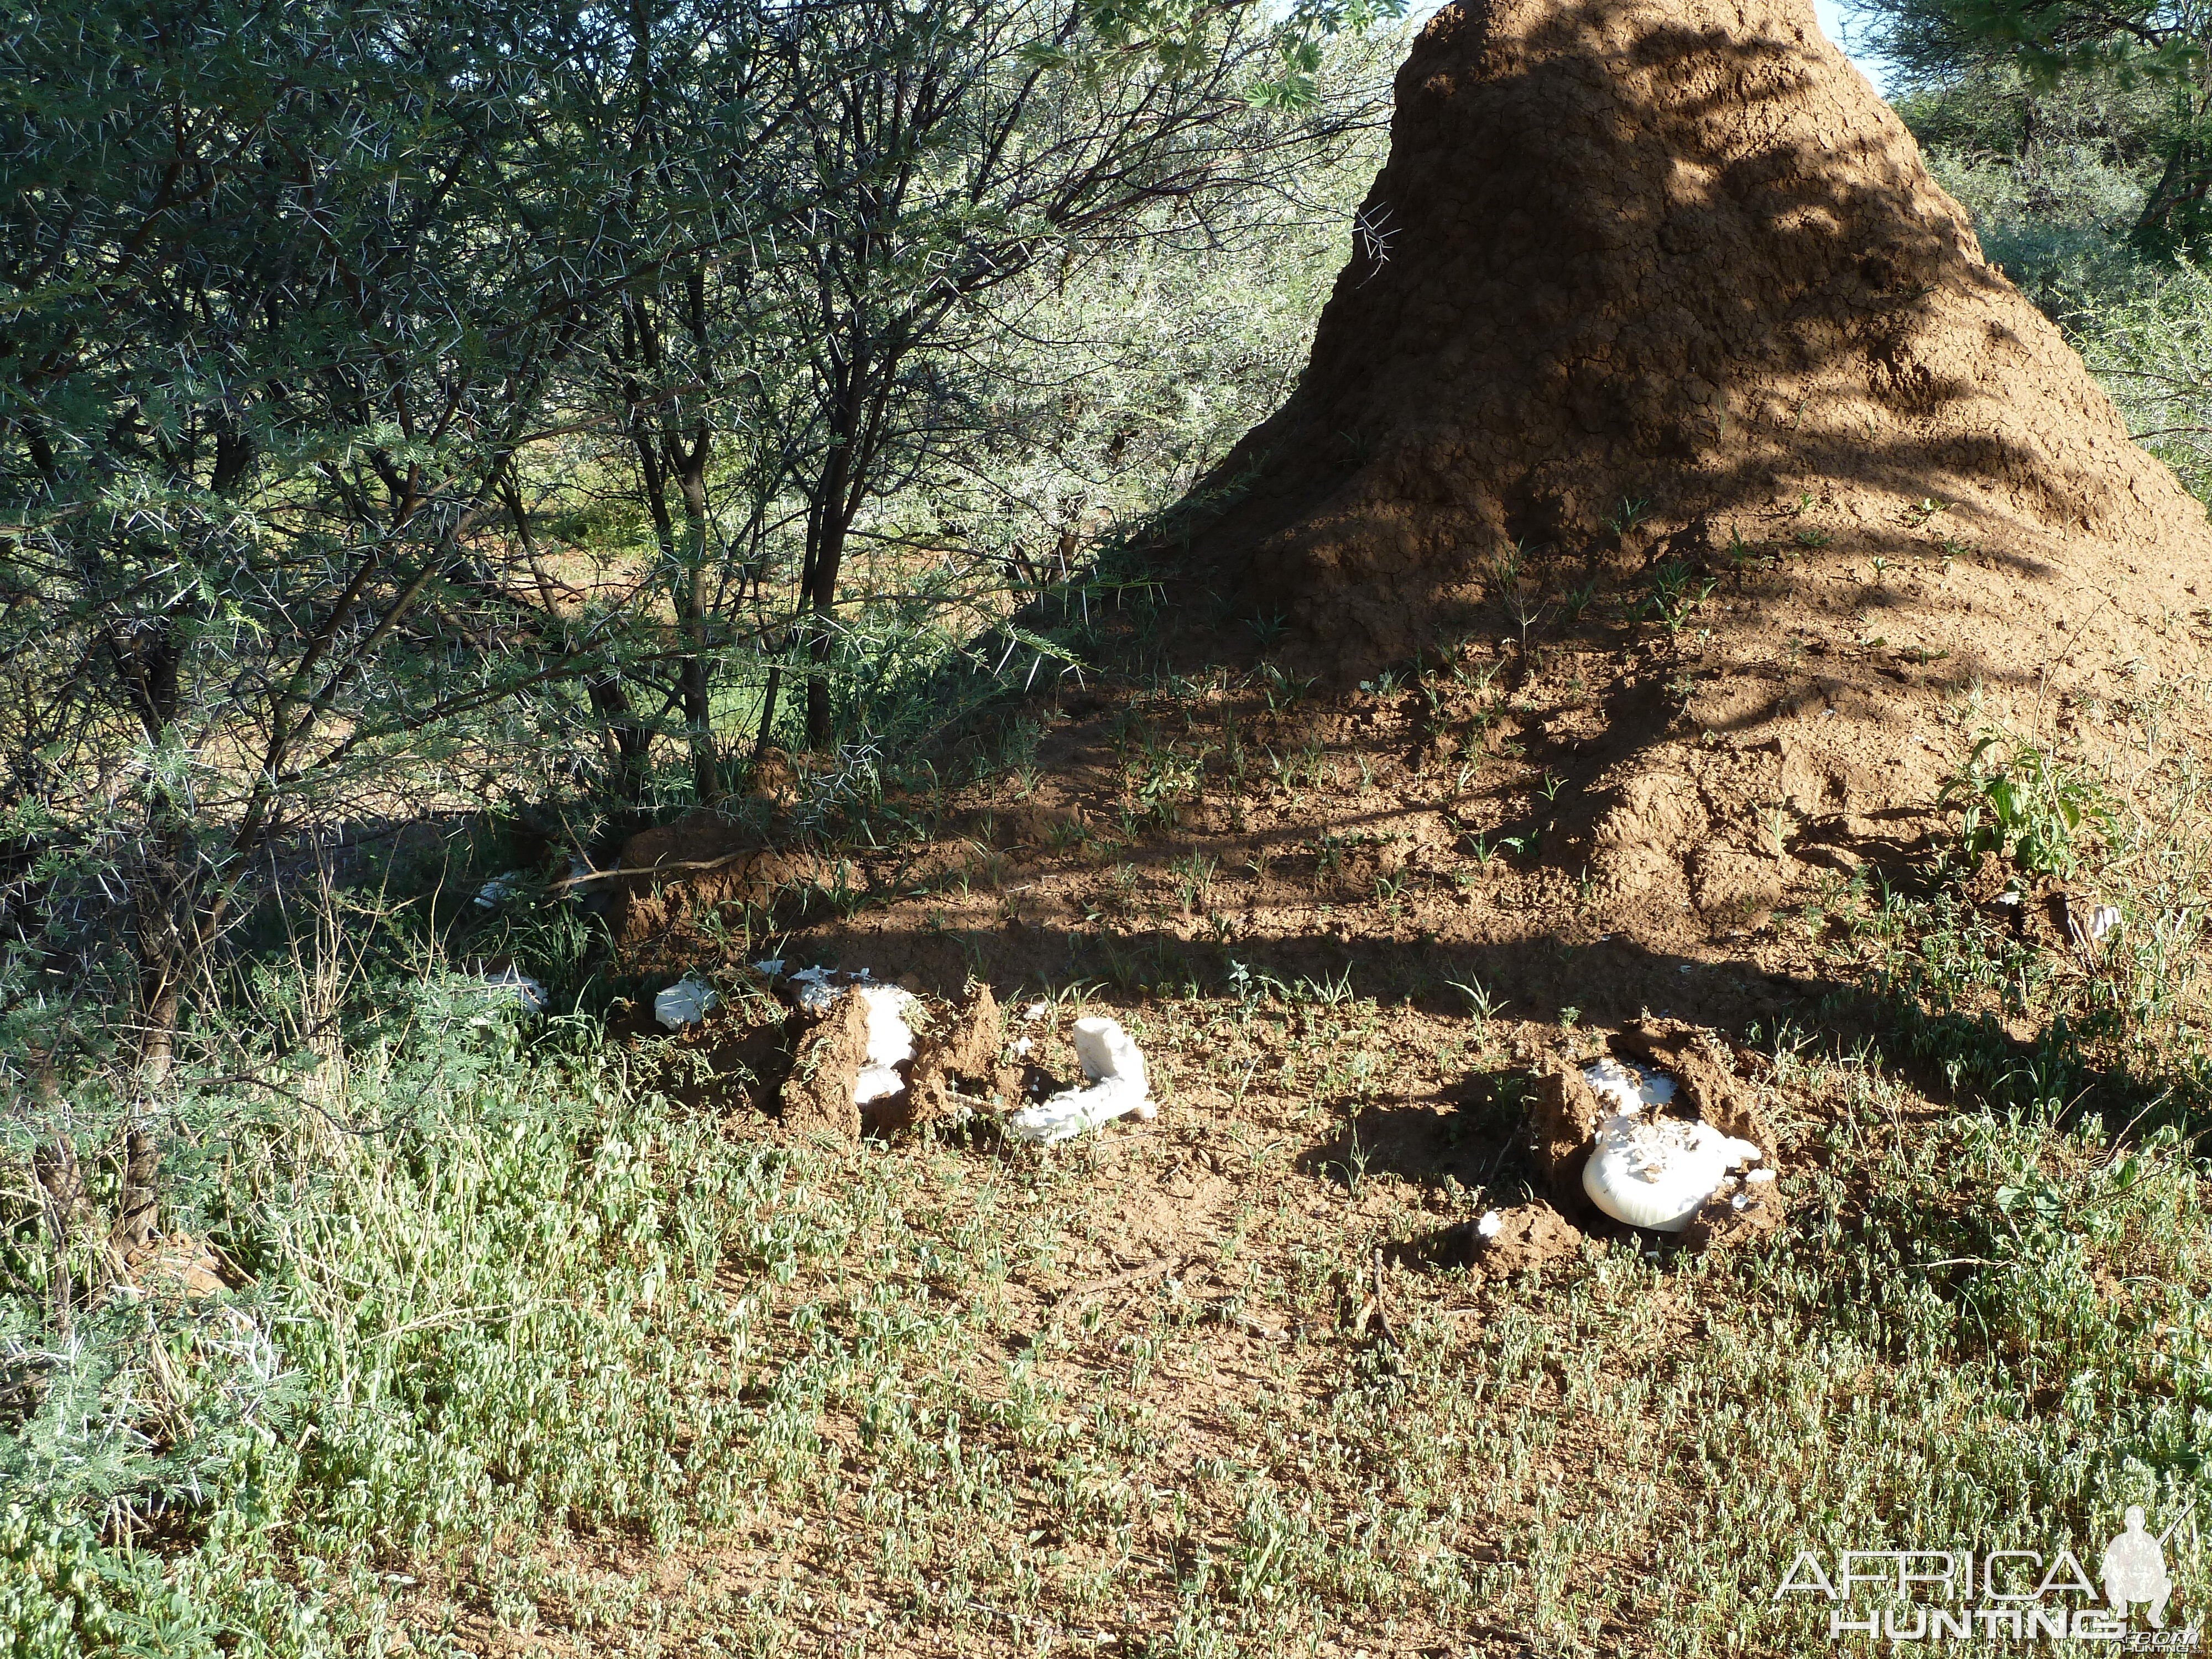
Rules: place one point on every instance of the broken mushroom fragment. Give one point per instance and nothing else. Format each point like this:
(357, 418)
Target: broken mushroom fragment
(891, 1042)
(815, 990)
(687, 1002)
(512, 982)
(1113, 1060)
(1067, 1114)
(499, 889)
(1627, 1088)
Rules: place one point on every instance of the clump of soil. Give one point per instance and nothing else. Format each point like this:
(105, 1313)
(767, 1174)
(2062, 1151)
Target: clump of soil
(958, 1067)
(706, 861)
(1562, 1129)
(817, 1094)
(955, 1068)
(1528, 1236)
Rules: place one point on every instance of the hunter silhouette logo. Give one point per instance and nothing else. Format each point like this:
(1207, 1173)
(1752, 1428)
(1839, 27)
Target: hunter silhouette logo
(2003, 1594)
(2133, 1569)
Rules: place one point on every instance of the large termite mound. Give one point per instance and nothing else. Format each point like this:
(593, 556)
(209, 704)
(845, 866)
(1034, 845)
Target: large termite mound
(1669, 426)
(1656, 328)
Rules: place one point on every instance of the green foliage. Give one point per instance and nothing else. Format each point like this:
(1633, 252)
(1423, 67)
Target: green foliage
(1676, 591)
(2151, 347)
(2059, 214)
(2054, 93)
(2016, 800)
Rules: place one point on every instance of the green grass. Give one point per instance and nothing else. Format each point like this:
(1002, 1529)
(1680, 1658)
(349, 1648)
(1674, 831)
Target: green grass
(552, 1329)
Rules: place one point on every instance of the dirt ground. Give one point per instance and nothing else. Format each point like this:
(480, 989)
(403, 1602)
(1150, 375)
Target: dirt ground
(1258, 1241)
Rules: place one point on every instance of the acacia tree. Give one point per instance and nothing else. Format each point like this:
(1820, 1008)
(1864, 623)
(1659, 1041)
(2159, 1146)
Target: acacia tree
(2032, 44)
(287, 290)
(770, 400)
(982, 139)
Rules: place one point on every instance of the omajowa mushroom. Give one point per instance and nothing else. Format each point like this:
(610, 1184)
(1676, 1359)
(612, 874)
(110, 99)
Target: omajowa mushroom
(687, 1002)
(506, 885)
(1112, 1060)
(1650, 1170)
(891, 1037)
(891, 1042)
(511, 983)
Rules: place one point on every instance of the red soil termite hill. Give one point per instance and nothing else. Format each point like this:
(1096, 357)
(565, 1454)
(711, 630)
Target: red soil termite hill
(1660, 350)
(1668, 414)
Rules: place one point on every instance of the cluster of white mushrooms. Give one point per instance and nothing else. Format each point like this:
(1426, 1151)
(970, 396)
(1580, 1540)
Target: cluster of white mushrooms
(1110, 1058)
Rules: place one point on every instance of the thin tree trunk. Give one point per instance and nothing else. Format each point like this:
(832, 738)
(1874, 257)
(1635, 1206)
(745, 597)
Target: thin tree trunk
(177, 920)
(628, 743)
(831, 519)
(164, 930)
(169, 928)
(2181, 182)
(628, 740)
(821, 718)
(61, 1187)
(694, 681)
(767, 719)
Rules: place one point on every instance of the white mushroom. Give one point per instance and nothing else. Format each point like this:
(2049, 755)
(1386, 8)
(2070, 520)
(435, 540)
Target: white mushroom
(1117, 1064)
(514, 983)
(1657, 1172)
(1107, 1051)
(499, 889)
(816, 992)
(891, 1042)
(687, 1002)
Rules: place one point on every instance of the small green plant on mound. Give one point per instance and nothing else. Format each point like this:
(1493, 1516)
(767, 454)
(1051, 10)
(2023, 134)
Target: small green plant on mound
(1675, 592)
(2022, 804)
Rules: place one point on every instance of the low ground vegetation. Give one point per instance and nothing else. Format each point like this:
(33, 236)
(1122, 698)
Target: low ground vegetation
(539, 1338)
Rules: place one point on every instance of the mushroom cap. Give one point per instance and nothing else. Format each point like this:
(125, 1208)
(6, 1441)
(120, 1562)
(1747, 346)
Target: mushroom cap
(1657, 1172)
